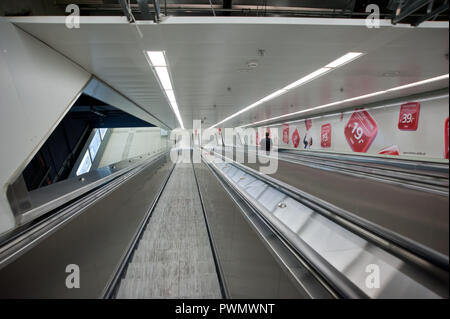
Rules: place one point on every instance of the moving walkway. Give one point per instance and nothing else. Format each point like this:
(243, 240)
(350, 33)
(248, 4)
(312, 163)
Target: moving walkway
(212, 229)
(415, 174)
(408, 214)
(339, 248)
(173, 258)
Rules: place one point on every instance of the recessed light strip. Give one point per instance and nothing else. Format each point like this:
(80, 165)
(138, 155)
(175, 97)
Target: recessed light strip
(343, 60)
(437, 78)
(307, 78)
(350, 56)
(158, 62)
(157, 58)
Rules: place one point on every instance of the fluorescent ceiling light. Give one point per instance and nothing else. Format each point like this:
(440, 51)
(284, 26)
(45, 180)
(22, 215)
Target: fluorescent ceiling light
(307, 78)
(445, 76)
(177, 112)
(157, 58)
(164, 77)
(437, 78)
(336, 63)
(364, 96)
(170, 95)
(343, 59)
(272, 96)
(158, 62)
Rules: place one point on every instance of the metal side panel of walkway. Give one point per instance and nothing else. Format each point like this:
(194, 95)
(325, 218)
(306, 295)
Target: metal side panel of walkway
(174, 258)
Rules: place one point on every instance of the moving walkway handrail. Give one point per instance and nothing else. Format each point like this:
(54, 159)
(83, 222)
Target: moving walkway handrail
(13, 245)
(45, 199)
(396, 244)
(415, 181)
(404, 178)
(411, 165)
(358, 166)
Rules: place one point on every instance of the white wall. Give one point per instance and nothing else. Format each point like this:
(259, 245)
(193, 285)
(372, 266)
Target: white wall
(125, 143)
(427, 142)
(106, 94)
(37, 87)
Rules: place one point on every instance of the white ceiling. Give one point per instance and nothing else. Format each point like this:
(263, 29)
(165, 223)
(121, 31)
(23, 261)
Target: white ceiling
(208, 55)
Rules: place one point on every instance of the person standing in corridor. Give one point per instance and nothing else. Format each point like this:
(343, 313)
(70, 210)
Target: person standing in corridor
(266, 143)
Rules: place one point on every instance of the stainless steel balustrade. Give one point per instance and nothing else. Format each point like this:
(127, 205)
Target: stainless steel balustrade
(419, 216)
(342, 250)
(252, 261)
(42, 200)
(94, 232)
(437, 169)
(429, 177)
(268, 240)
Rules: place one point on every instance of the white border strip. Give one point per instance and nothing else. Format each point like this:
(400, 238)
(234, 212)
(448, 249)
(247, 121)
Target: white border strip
(229, 20)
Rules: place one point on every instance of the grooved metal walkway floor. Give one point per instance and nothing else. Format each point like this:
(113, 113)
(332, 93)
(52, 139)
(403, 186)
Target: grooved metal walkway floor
(173, 259)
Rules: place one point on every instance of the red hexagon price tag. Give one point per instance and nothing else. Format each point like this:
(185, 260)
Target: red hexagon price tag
(408, 119)
(325, 135)
(295, 138)
(286, 133)
(360, 131)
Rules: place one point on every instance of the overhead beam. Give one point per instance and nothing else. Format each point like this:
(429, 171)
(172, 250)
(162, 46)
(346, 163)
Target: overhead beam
(227, 6)
(143, 6)
(409, 9)
(433, 14)
(126, 10)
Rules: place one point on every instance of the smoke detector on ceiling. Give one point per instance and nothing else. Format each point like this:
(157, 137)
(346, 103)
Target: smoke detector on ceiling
(252, 64)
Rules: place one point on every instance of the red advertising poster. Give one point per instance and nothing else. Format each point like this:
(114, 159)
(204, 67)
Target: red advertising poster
(390, 150)
(325, 135)
(360, 131)
(286, 133)
(195, 132)
(446, 133)
(295, 138)
(408, 119)
(257, 138)
(308, 124)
